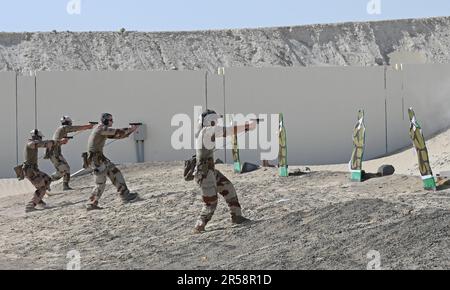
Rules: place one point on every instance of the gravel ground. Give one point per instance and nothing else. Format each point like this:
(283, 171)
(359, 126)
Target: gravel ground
(319, 220)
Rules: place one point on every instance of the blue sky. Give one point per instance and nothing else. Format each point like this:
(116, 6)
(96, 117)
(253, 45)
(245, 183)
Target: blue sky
(174, 15)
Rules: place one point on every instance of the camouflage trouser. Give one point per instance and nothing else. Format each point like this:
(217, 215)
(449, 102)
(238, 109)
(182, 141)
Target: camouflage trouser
(103, 169)
(61, 166)
(211, 183)
(40, 180)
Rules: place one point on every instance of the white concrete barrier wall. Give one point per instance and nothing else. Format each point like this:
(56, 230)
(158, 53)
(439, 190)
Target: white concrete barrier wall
(8, 150)
(319, 103)
(152, 98)
(320, 108)
(216, 101)
(26, 113)
(426, 88)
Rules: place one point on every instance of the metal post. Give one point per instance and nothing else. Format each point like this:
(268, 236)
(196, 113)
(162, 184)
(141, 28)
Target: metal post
(139, 138)
(206, 89)
(142, 151)
(138, 155)
(221, 71)
(35, 102)
(17, 123)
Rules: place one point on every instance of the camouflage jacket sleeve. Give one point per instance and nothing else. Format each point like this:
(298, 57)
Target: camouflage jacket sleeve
(223, 131)
(217, 132)
(41, 144)
(116, 133)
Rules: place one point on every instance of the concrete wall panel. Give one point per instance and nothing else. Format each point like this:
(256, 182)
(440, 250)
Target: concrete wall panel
(426, 88)
(26, 112)
(319, 104)
(149, 97)
(216, 102)
(320, 107)
(8, 152)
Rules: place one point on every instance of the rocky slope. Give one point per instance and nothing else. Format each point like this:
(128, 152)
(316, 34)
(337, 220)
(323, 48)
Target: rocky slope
(364, 44)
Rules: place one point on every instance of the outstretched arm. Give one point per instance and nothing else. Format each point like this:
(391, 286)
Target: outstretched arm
(46, 144)
(119, 133)
(234, 130)
(71, 129)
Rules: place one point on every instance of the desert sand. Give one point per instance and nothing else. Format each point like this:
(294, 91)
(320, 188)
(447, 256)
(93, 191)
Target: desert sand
(317, 220)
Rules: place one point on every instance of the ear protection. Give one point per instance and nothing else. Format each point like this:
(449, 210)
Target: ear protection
(208, 117)
(105, 118)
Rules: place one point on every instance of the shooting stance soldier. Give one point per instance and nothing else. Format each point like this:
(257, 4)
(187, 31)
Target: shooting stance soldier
(211, 180)
(101, 165)
(55, 154)
(30, 169)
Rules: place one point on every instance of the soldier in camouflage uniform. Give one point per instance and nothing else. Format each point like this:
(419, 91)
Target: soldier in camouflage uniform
(55, 155)
(102, 166)
(211, 180)
(39, 179)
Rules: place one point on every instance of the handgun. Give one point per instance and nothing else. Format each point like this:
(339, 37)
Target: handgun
(257, 120)
(135, 124)
(93, 123)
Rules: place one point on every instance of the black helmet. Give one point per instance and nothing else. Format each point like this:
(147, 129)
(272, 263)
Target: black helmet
(105, 118)
(36, 135)
(205, 121)
(66, 120)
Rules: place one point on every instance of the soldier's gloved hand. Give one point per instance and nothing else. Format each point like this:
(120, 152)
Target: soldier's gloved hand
(90, 126)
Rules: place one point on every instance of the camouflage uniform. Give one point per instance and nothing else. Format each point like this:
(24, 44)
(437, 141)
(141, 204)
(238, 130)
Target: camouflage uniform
(56, 157)
(102, 166)
(212, 181)
(39, 179)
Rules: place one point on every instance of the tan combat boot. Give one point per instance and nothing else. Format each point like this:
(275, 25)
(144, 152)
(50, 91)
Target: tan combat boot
(199, 227)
